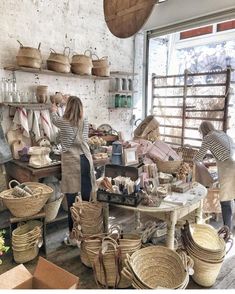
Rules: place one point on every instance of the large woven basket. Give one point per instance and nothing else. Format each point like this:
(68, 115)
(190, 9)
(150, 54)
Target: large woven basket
(147, 129)
(29, 205)
(156, 267)
(27, 231)
(168, 167)
(25, 254)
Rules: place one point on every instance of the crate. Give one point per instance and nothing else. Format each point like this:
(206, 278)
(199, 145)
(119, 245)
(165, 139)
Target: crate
(128, 200)
(113, 171)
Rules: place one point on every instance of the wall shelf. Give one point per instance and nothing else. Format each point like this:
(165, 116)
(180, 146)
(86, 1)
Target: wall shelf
(121, 108)
(123, 92)
(34, 106)
(122, 73)
(53, 73)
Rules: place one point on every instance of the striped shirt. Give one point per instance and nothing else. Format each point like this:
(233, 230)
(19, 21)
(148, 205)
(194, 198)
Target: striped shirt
(67, 132)
(218, 143)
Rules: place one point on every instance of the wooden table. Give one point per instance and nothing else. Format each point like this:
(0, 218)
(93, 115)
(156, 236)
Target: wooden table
(168, 212)
(20, 171)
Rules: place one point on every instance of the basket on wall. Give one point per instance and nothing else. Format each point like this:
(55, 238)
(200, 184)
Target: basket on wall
(52, 208)
(28, 205)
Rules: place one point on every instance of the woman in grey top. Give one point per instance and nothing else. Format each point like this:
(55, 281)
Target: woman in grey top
(221, 147)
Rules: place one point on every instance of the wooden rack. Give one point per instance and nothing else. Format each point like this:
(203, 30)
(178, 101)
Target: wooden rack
(167, 107)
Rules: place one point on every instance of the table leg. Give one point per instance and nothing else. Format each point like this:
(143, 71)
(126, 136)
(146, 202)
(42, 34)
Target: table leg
(137, 219)
(106, 217)
(198, 213)
(171, 230)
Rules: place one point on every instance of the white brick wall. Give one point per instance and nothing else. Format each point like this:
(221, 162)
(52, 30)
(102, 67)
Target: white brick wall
(78, 24)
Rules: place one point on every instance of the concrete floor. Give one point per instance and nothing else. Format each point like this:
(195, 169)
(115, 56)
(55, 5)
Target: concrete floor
(69, 257)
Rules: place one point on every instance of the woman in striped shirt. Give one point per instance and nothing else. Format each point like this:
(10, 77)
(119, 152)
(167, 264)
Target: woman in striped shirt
(76, 160)
(221, 146)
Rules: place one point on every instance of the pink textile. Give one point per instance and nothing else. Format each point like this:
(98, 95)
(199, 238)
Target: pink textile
(162, 151)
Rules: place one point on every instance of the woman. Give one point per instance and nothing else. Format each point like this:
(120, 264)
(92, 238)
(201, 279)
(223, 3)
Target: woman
(76, 159)
(221, 147)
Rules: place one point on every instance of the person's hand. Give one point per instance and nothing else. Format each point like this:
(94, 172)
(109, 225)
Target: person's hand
(54, 108)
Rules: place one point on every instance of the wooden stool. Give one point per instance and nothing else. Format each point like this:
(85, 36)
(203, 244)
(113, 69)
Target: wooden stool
(39, 216)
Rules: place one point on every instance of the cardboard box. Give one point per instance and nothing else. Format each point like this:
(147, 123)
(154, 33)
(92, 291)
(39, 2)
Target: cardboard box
(46, 276)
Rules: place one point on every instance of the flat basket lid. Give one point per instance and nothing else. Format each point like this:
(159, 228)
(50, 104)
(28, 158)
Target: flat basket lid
(126, 18)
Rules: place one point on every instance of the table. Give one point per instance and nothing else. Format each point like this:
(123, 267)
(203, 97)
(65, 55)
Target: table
(168, 212)
(20, 171)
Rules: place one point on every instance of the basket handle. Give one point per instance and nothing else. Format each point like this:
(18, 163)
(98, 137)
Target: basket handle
(21, 45)
(128, 275)
(13, 181)
(94, 54)
(65, 48)
(39, 45)
(225, 233)
(52, 50)
(187, 261)
(90, 53)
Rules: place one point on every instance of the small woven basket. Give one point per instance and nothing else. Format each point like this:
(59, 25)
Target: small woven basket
(168, 167)
(52, 208)
(25, 255)
(29, 205)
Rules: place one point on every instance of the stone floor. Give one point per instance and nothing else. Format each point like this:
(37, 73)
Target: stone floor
(69, 258)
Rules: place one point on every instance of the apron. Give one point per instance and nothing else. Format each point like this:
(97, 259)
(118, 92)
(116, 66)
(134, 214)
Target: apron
(226, 174)
(70, 166)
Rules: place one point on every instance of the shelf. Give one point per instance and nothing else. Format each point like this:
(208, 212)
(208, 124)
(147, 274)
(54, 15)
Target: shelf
(122, 73)
(117, 108)
(53, 73)
(35, 106)
(123, 92)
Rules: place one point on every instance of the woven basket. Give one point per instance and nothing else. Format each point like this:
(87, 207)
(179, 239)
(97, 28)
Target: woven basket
(205, 273)
(84, 256)
(168, 167)
(187, 152)
(52, 209)
(158, 267)
(27, 231)
(30, 205)
(147, 128)
(25, 255)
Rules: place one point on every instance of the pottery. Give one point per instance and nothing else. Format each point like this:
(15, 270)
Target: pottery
(41, 94)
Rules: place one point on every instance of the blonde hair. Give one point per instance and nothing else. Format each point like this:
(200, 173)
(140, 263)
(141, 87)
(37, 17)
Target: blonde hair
(205, 128)
(73, 111)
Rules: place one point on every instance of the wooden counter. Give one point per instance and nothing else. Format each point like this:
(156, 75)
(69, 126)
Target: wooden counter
(20, 171)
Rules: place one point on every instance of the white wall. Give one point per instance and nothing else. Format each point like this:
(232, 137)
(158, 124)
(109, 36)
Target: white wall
(175, 11)
(78, 24)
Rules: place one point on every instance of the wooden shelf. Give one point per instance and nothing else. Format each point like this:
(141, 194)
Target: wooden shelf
(123, 92)
(122, 73)
(121, 108)
(53, 73)
(35, 106)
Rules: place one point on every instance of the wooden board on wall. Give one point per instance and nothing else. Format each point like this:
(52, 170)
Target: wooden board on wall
(125, 18)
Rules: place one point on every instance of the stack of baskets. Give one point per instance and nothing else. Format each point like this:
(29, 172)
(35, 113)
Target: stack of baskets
(207, 249)
(28, 204)
(87, 220)
(106, 254)
(157, 267)
(26, 240)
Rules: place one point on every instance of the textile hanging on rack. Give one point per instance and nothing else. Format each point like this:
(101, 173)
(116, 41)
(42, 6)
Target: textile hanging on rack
(5, 151)
(21, 120)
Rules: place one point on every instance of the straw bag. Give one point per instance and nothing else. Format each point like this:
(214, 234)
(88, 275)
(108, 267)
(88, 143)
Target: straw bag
(168, 167)
(52, 208)
(157, 267)
(26, 241)
(148, 129)
(29, 205)
(187, 153)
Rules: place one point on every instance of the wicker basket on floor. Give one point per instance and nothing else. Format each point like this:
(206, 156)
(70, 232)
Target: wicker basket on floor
(29, 205)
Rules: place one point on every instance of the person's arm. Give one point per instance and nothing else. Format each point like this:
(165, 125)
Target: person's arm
(85, 129)
(202, 151)
(55, 118)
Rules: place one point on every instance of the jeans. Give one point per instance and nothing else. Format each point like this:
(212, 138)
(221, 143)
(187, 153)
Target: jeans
(85, 188)
(227, 212)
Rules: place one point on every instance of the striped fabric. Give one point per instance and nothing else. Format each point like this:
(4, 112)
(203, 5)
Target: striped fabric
(218, 143)
(67, 132)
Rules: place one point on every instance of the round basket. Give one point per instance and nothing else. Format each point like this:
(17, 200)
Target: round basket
(27, 232)
(52, 208)
(25, 255)
(29, 205)
(158, 266)
(168, 167)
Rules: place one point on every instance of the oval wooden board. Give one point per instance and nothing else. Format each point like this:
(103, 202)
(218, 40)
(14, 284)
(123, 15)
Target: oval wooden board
(125, 18)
